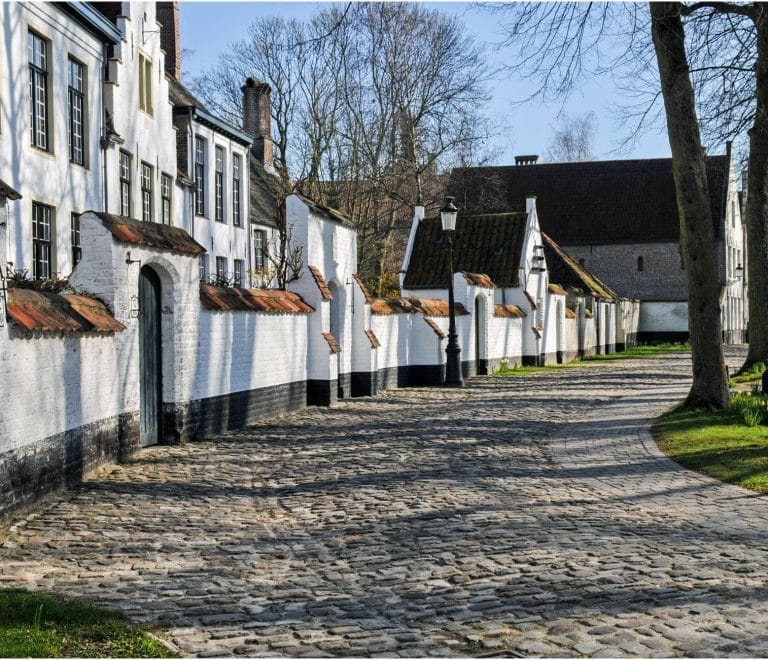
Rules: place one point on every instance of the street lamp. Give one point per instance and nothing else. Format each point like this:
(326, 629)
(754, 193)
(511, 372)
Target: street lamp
(448, 213)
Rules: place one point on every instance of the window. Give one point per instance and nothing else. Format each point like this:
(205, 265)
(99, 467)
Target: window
(219, 184)
(203, 267)
(165, 198)
(146, 192)
(236, 221)
(238, 274)
(145, 83)
(221, 268)
(38, 90)
(259, 246)
(199, 176)
(42, 221)
(640, 264)
(76, 101)
(77, 251)
(125, 184)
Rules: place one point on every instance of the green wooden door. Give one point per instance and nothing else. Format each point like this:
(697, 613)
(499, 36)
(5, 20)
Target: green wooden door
(150, 358)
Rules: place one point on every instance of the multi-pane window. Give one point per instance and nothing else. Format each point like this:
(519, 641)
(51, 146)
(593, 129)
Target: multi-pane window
(238, 273)
(77, 250)
(42, 230)
(165, 198)
(221, 268)
(236, 165)
(199, 176)
(219, 184)
(76, 101)
(203, 267)
(125, 184)
(259, 246)
(145, 83)
(146, 192)
(38, 90)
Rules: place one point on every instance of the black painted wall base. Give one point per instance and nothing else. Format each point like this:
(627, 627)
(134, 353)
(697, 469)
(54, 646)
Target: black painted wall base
(662, 337)
(29, 474)
(229, 412)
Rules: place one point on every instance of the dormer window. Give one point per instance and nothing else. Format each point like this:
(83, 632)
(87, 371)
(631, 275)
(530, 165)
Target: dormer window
(145, 83)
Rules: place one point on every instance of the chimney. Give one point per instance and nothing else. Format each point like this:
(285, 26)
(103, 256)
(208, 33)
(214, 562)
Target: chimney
(257, 119)
(531, 159)
(170, 37)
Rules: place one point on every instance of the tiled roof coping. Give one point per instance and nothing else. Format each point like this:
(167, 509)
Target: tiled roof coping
(150, 234)
(373, 339)
(332, 343)
(509, 311)
(47, 311)
(366, 294)
(275, 301)
(435, 327)
(479, 279)
(325, 292)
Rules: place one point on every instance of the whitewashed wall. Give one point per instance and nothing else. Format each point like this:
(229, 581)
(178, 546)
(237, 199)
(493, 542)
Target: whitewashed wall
(662, 319)
(47, 177)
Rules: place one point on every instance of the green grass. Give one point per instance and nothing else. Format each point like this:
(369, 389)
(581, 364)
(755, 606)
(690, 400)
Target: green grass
(634, 352)
(39, 625)
(716, 443)
(751, 376)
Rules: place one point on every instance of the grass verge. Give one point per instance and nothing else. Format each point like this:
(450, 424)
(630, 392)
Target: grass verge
(633, 352)
(39, 626)
(716, 443)
(753, 376)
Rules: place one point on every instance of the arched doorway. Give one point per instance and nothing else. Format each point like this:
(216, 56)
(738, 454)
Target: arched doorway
(150, 358)
(481, 363)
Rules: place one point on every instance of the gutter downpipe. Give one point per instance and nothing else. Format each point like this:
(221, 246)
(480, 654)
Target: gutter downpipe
(105, 73)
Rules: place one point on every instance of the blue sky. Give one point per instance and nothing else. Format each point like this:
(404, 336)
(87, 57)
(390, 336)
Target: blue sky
(208, 27)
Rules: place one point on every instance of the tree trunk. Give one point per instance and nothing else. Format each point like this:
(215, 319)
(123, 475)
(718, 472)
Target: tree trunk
(697, 233)
(756, 214)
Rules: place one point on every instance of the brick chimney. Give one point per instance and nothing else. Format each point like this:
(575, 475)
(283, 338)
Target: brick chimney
(531, 159)
(170, 37)
(257, 119)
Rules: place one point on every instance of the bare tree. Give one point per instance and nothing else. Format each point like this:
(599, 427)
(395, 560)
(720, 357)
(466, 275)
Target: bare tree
(573, 139)
(372, 104)
(697, 233)
(565, 42)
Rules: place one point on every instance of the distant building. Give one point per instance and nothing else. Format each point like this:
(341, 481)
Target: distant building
(619, 219)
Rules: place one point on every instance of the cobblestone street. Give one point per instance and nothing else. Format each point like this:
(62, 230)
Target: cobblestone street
(520, 516)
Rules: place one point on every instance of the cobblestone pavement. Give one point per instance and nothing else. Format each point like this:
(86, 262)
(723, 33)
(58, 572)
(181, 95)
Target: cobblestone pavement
(520, 516)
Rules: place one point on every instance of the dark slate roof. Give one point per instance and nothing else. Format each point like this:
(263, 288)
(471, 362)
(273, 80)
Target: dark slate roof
(489, 244)
(565, 271)
(181, 97)
(264, 194)
(597, 202)
(150, 234)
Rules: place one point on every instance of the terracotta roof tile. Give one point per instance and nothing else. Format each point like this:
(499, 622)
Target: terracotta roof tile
(588, 313)
(367, 294)
(219, 298)
(479, 279)
(490, 244)
(325, 292)
(556, 289)
(435, 327)
(570, 313)
(566, 270)
(334, 345)
(426, 306)
(150, 234)
(52, 312)
(590, 202)
(373, 339)
(508, 311)
(8, 192)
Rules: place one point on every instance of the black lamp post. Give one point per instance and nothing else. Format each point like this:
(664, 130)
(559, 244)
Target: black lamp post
(448, 213)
